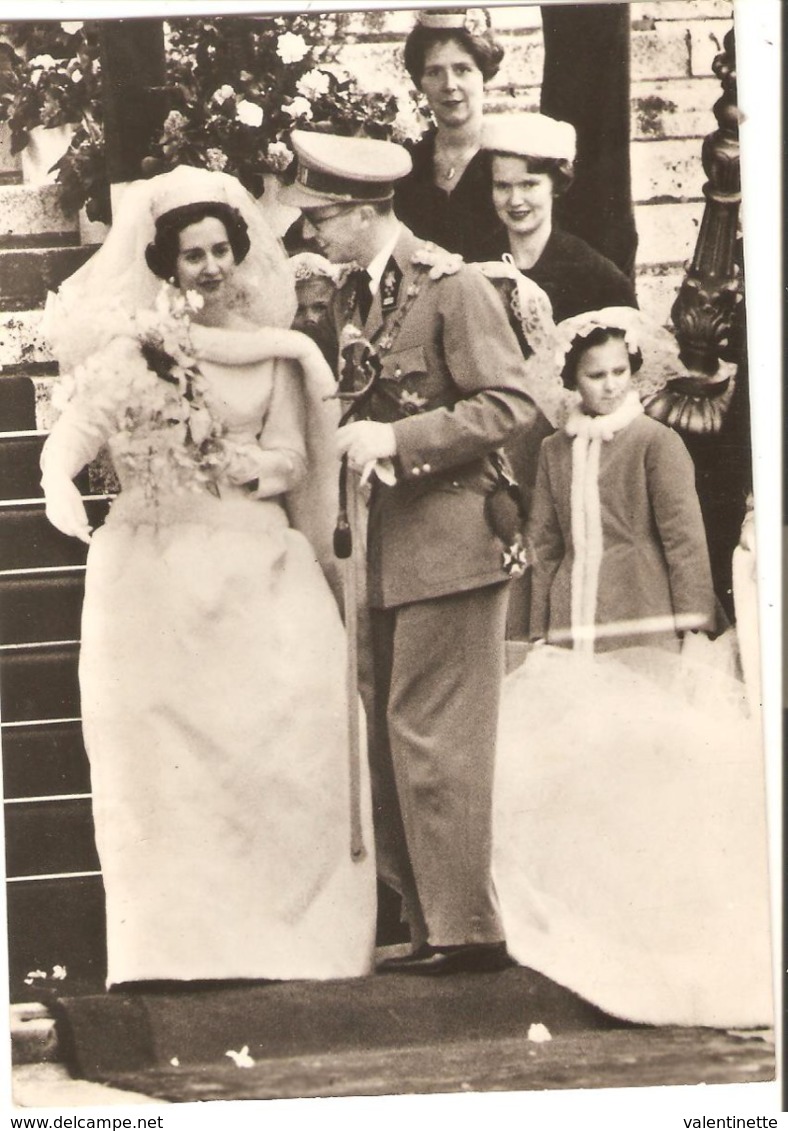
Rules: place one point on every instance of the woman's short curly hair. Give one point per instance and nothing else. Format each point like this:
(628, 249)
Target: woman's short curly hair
(597, 337)
(161, 254)
(485, 51)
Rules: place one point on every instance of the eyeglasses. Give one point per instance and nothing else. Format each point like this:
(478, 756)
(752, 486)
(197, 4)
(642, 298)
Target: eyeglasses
(317, 222)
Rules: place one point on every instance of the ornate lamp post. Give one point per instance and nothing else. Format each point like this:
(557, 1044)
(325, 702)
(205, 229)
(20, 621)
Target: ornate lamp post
(708, 311)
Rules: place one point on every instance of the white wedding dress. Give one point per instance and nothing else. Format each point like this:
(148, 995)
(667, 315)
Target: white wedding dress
(213, 700)
(630, 852)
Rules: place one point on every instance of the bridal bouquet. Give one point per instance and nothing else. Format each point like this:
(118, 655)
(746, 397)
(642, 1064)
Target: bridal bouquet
(147, 392)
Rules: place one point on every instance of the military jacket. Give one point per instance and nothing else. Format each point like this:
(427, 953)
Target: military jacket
(454, 385)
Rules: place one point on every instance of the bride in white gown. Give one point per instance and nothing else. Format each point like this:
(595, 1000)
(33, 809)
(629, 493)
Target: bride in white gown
(213, 655)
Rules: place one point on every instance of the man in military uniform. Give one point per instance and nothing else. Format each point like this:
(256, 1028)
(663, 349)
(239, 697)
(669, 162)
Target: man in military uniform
(445, 385)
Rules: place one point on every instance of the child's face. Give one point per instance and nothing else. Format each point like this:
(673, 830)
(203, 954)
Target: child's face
(314, 301)
(604, 377)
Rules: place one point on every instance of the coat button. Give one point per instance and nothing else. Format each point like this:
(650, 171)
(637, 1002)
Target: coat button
(416, 471)
(426, 468)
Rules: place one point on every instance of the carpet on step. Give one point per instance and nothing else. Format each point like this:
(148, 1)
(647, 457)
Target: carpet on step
(153, 1028)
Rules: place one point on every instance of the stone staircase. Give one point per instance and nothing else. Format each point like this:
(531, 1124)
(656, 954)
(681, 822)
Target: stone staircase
(54, 893)
(55, 896)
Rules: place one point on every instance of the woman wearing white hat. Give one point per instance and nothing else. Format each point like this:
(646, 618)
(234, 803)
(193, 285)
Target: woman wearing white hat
(532, 159)
(450, 56)
(532, 163)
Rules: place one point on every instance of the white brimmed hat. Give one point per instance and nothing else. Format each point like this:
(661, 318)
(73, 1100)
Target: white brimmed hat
(343, 170)
(529, 135)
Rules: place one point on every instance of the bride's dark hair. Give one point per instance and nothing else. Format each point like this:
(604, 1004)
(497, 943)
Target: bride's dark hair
(161, 255)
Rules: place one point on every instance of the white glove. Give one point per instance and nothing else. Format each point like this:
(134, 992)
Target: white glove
(271, 471)
(64, 507)
(245, 462)
(365, 441)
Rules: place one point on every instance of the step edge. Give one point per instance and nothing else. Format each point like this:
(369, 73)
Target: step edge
(72, 719)
(41, 571)
(38, 877)
(37, 645)
(48, 797)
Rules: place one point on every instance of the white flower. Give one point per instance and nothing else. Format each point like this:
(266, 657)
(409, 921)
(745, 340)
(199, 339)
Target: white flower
(241, 1059)
(409, 123)
(71, 27)
(59, 973)
(249, 113)
(76, 75)
(475, 21)
(216, 161)
(291, 48)
(278, 156)
(223, 94)
(174, 121)
(44, 62)
(539, 1033)
(33, 975)
(313, 84)
(298, 108)
(194, 302)
(200, 424)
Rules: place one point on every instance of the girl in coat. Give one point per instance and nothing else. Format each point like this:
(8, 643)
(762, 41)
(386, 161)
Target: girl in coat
(619, 546)
(629, 836)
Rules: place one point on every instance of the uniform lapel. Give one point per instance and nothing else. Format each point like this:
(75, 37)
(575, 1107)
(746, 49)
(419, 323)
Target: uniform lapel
(402, 256)
(401, 266)
(375, 317)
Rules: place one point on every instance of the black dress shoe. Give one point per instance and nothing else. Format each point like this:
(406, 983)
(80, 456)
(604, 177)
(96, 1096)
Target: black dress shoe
(469, 958)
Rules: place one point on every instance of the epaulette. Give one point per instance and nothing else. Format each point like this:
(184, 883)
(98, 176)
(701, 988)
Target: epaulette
(439, 261)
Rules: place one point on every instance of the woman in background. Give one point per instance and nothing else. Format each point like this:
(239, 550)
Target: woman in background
(532, 160)
(446, 198)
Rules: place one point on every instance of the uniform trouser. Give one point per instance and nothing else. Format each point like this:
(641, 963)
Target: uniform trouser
(438, 667)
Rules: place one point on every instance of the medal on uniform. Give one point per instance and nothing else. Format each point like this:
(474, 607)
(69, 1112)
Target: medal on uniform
(389, 286)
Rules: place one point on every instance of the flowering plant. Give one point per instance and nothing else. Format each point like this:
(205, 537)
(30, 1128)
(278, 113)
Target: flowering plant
(52, 76)
(236, 88)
